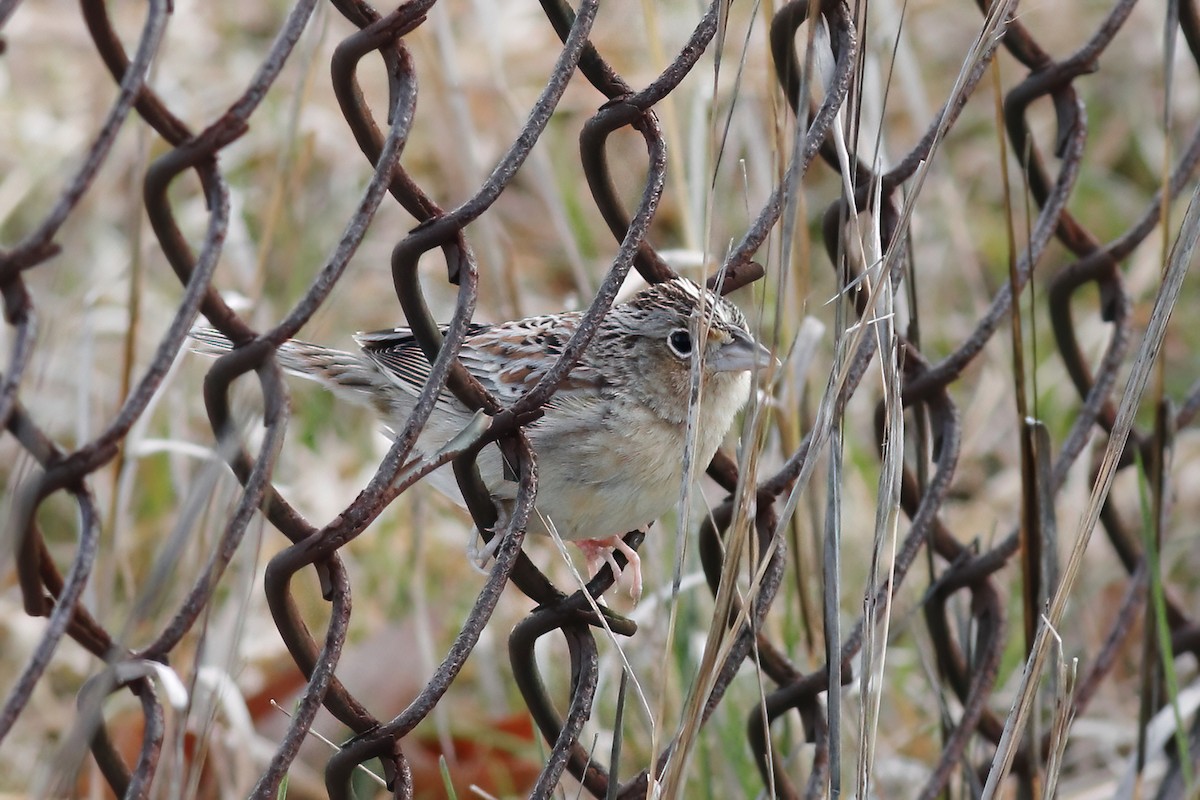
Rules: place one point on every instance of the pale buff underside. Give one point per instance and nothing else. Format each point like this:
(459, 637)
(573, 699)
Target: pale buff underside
(603, 477)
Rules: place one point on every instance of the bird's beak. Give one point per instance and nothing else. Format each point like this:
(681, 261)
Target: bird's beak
(741, 355)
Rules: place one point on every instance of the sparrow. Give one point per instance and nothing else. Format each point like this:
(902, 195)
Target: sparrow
(610, 444)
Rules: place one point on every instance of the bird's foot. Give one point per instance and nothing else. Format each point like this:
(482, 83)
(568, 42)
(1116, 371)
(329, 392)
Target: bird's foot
(480, 552)
(599, 552)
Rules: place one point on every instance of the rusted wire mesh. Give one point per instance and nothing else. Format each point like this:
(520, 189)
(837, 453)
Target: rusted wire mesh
(1072, 263)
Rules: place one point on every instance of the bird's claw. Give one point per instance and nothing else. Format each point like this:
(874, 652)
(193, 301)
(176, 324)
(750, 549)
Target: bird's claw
(480, 556)
(599, 552)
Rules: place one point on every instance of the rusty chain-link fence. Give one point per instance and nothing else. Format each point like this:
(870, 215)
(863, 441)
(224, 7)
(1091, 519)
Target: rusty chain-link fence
(971, 582)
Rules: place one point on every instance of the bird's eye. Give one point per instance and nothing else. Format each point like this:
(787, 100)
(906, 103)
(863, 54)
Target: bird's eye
(680, 342)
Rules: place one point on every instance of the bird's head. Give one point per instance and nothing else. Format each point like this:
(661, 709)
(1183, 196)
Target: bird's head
(667, 328)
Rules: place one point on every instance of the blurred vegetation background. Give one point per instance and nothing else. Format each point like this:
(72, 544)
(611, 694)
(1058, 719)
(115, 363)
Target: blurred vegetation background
(296, 176)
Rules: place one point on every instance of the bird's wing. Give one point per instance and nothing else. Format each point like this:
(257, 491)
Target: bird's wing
(507, 359)
(396, 350)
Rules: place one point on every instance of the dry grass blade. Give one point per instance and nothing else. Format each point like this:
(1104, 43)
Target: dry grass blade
(1031, 577)
(1147, 354)
(887, 519)
(984, 44)
(739, 544)
(1160, 678)
(831, 572)
(1064, 715)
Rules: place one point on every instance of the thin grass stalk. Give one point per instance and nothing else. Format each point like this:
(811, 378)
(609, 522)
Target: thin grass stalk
(470, 168)
(290, 171)
(581, 583)
(887, 517)
(719, 641)
(109, 562)
(423, 624)
(544, 180)
(685, 729)
(1030, 540)
(1157, 663)
(918, 104)
(1030, 535)
(693, 219)
(1148, 351)
(614, 757)
(1150, 672)
(922, 438)
(804, 548)
(831, 608)
(675, 770)
(848, 251)
(854, 99)
(1170, 29)
(798, 359)
(989, 35)
(795, 258)
(699, 229)
(216, 664)
(1150, 688)
(447, 781)
(1048, 524)
(740, 542)
(724, 624)
(1064, 715)
(1158, 631)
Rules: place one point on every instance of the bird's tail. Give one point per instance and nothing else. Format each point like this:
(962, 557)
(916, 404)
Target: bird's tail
(347, 374)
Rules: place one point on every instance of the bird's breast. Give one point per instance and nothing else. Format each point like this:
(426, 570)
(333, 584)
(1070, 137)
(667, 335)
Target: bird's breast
(612, 473)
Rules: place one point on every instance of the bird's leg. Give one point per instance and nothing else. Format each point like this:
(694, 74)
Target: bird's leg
(480, 556)
(599, 552)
